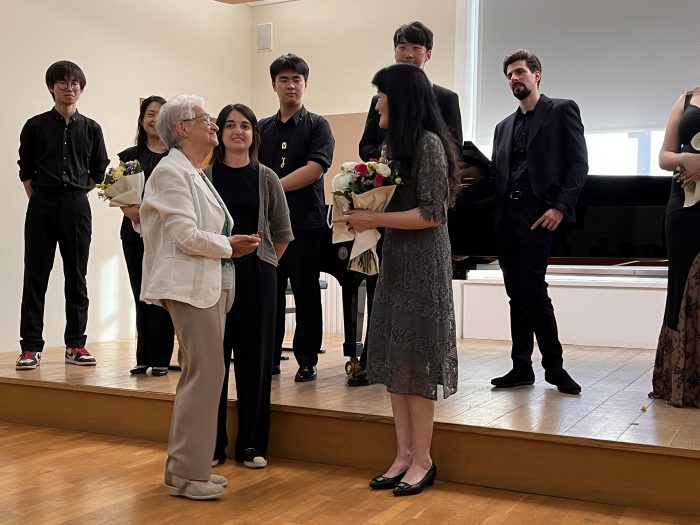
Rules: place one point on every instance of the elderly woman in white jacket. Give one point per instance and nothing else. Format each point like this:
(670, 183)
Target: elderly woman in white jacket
(187, 269)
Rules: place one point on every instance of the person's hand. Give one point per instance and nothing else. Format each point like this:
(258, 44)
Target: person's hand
(132, 212)
(550, 219)
(361, 220)
(689, 164)
(244, 244)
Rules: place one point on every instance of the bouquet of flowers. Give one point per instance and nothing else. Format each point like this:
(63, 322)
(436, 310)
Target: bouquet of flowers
(123, 185)
(368, 186)
(690, 188)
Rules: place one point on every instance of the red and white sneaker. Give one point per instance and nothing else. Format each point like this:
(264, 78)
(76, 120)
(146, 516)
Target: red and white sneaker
(28, 360)
(80, 357)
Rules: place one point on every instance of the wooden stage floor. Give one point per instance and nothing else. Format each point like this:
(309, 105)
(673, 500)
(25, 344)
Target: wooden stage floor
(613, 405)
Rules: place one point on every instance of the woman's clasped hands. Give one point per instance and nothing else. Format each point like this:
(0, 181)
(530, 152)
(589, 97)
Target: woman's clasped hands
(689, 164)
(359, 220)
(244, 244)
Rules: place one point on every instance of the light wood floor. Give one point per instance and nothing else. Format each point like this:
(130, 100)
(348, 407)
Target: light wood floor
(54, 477)
(613, 406)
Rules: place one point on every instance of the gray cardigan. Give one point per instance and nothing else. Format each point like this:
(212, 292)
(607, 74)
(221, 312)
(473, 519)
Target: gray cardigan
(273, 213)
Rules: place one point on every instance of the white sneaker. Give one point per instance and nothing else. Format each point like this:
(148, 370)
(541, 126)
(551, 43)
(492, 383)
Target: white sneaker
(252, 458)
(80, 357)
(256, 462)
(28, 360)
(197, 490)
(219, 480)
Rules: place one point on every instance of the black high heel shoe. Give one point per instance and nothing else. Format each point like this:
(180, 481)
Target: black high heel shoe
(382, 483)
(404, 489)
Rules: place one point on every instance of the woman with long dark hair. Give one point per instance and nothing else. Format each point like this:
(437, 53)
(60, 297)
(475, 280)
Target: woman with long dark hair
(412, 338)
(254, 196)
(154, 329)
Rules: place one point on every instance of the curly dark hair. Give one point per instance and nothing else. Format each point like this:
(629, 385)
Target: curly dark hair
(533, 63)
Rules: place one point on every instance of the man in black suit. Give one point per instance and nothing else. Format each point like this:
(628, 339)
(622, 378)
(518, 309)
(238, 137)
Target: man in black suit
(413, 44)
(541, 163)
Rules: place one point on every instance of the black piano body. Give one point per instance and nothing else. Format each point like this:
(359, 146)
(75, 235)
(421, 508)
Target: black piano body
(619, 220)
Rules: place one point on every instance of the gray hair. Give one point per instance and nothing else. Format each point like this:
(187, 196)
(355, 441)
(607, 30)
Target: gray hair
(177, 109)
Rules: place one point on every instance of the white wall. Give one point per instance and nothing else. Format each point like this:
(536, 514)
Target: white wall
(345, 42)
(127, 49)
(593, 311)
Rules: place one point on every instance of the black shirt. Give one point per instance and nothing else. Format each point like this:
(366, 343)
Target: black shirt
(519, 178)
(239, 188)
(288, 146)
(60, 156)
(148, 160)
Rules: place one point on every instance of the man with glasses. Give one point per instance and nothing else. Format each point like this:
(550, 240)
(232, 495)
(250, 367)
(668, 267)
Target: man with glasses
(298, 146)
(413, 44)
(62, 156)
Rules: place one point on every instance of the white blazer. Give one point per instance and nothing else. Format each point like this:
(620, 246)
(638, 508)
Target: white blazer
(181, 224)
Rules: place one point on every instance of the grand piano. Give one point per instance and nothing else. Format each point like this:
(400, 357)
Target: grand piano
(619, 220)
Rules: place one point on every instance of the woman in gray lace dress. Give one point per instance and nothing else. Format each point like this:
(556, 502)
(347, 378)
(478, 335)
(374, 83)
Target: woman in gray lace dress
(412, 328)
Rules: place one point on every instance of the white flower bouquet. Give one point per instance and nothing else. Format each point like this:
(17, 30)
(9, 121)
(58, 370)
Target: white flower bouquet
(690, 188)
(123, 185)
(368, 186)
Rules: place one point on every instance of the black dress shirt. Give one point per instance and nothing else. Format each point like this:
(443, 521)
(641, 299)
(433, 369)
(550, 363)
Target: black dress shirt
(519, 178)
(60, 156)
(288, 146)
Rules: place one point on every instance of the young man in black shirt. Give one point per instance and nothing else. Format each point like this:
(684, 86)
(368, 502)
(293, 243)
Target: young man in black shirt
(413, 44)
(61, 157)
(298, 145)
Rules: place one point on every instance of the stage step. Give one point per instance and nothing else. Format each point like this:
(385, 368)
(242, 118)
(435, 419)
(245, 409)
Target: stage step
(654, 477)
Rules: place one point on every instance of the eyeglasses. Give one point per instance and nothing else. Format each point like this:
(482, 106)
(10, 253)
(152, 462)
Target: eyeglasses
(206, 116)
(64, 84)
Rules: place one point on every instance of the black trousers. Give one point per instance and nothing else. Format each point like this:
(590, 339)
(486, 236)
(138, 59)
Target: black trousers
(301, 265)
(523, 255)
(53, 218)
(250, 329)
(154, 329)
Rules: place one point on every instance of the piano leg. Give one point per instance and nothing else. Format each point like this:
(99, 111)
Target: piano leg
(354, 295)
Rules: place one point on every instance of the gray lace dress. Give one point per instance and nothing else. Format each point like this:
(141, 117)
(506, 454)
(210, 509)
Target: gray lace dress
(412, 342)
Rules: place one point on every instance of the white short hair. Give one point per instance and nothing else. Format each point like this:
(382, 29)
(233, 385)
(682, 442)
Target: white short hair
(176, 109)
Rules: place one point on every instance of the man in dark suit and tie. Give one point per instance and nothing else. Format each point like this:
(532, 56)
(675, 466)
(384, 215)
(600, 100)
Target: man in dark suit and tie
(541, 163)
(413, 44)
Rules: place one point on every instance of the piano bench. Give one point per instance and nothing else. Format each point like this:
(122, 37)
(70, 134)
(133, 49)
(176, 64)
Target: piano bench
(292, 309)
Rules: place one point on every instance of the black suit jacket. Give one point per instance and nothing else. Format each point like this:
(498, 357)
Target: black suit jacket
(557, 158)
(373, 136)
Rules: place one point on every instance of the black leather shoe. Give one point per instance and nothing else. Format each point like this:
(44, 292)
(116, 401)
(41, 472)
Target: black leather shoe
(159, 371)
(138, 370)
(305, 373)
(382, 483)
(562, 380)
(276, 370)
(358, 379)
(516, 377)
(404, 489)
